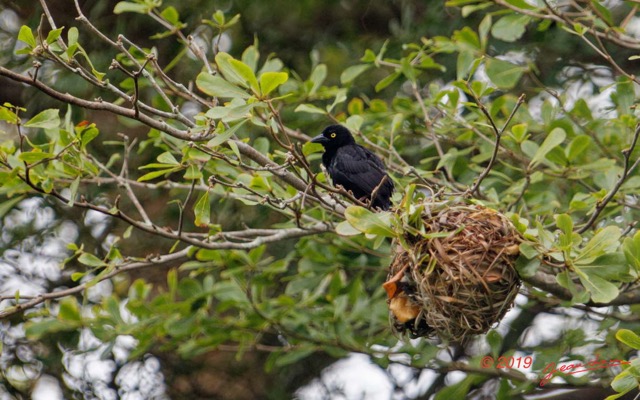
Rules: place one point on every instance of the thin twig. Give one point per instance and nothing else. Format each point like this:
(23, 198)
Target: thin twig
(38, 299)
(498, 133)
(627, 169)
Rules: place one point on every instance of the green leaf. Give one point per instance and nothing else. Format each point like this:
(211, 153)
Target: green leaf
(631, 249)
(623, 383)
(8, 205)
(246, 73)
(602, 291)
(519, 132)
(26, 35)
(54, 34)
(251, 55)
(457, 390)
(69, 309)
(629, 338)
(34, 156)
(502, 73)
(351, 73)
(269, 81)
(310, 108)
(72, 37)
(565, 224)
(510, 27)
(154, 174)
(603, 12)
(464, 63)
(88, 134)
(36, 330)
(47, 119)
(554, 139)
(293, 356)
(73, 191)
(192, 173)
(577, 146)
(171, 14)
(230, 113)
(90, 260)
(125, 6)
(76, 276)
(367, 221)
(522, 4)
(344, 228)
(387, 81)
(483, 30)
(8, 115)
(605, 241)
(318, 75)
(215, 86)
(235, 71)
(167, 158)
(224, 136)
(202, 210)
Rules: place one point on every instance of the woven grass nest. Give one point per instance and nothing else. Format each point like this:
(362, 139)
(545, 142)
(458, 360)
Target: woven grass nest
(458, 279)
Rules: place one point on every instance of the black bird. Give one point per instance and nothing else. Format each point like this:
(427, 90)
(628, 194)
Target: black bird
(354, 168)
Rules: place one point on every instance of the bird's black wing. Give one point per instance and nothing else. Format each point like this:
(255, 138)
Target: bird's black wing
(359, 170)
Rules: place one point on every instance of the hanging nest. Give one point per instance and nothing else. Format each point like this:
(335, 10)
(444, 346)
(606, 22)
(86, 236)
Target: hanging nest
(457, 278)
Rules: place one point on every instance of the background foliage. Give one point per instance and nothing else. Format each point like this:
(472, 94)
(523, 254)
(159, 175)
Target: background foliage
(158, 152)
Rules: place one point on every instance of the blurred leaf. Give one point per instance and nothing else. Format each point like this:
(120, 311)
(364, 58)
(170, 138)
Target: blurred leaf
(69, 309)
(351, 73)
(318, 75)
(631, 249)
(555, 138)
(35, 330)
(73, 191)
(202, 210)
(367, 221)
(236, 72)
(216, 86)
(269, 81)
(34, 156)
(54, 34)
(8, 115)
(155, 174)
(623, 383)
(293, 356)
(26, 35)
(602, 291)
(606, 240)
(577, 146)
(126, 6)
(629, 338)
(503, 74)
(167, 158)
(510, 27)
(344, 228)
(387, 81)
(8, 205)
(47, 119)
(310, 108)
(90, 260)
(223, 137)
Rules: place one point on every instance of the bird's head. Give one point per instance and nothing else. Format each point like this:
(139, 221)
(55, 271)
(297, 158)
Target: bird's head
(334, 136)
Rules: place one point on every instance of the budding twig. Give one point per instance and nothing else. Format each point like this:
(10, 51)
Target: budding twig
(498, 133)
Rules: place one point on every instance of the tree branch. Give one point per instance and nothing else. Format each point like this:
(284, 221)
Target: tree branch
(38, 299)
(498, 133)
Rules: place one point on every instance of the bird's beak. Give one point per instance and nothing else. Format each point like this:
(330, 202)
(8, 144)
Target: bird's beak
(320, 139)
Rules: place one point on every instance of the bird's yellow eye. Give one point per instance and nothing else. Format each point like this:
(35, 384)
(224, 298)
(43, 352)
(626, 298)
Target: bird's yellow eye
(333, 135)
